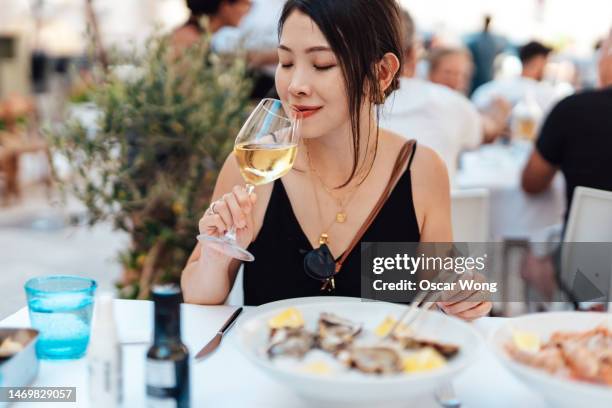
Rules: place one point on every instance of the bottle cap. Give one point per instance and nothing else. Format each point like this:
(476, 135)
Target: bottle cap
(167, 293)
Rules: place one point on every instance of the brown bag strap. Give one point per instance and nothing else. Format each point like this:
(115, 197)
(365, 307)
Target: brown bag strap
(406, 153)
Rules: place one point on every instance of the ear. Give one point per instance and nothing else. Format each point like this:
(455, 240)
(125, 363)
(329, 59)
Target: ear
(387, 69)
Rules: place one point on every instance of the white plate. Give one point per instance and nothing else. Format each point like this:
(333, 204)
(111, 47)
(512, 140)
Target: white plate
(353, 389)
(560, 391)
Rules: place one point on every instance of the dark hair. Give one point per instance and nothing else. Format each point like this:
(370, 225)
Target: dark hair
(208, 7)
(487, 23)
(360, 33)
(533, 49)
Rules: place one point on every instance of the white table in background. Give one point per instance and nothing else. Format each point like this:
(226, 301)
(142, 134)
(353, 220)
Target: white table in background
(514, 214)
(229, 380)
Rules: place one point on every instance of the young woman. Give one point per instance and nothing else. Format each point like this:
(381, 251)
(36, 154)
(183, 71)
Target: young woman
(338, 62)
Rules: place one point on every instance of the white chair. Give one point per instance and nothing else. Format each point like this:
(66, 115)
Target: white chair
(590, 220)
(236, 295)
(470, 215)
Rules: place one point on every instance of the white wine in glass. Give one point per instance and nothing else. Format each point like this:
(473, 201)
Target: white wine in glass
(265, 150)
(264, 163)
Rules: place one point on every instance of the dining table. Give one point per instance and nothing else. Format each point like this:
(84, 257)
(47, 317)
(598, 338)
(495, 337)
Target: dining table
(228, 379)
(514, 214)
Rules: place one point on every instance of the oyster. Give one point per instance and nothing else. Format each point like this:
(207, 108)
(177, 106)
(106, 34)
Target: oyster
(373, 360)
(411, 342)
(336, 333)
(293, 342)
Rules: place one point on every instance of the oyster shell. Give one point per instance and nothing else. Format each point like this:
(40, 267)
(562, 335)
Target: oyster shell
(410, 342)
(373, 360)
(336, 333)
(294, 342)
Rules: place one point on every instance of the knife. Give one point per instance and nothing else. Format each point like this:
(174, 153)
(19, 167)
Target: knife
(215, 341)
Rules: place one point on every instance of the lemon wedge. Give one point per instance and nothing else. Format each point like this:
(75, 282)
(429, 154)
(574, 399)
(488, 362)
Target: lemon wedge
(426, 359)
(385, 327)
(290, 318)
(317, 367)
(526, 341)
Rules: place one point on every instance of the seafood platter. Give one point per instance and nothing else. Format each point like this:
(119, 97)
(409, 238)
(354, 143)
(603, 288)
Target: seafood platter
(565, 356)
(334, 351)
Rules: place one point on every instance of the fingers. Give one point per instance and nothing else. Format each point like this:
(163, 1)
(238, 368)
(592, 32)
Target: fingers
(243, 199)
(232, 209)
(237, 215)
(454, 308)
(212, 224)
(480, 310)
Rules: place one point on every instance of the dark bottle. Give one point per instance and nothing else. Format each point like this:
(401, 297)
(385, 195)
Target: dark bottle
(167, 368)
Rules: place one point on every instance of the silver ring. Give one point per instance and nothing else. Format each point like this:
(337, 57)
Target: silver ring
(211, 209)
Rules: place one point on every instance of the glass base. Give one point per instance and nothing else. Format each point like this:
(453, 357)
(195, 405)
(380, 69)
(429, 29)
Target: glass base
(228, 247)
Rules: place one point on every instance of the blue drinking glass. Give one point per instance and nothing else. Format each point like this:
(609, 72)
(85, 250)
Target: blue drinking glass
(60, 309)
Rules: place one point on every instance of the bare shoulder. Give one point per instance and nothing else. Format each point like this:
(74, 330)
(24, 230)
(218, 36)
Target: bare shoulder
(428, 163)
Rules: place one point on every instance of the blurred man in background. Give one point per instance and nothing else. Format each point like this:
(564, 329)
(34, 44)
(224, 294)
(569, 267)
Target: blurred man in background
(453, 67)
(432, 114)
(534, 57)
(577, 139)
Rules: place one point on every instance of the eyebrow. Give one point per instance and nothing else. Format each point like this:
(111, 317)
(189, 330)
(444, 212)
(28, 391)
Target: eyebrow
(308, 50)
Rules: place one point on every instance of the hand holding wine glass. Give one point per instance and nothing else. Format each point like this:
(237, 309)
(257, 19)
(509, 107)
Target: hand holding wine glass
(265, 150)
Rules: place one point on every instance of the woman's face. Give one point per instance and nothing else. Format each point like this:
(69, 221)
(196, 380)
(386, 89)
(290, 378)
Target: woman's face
(309, 78)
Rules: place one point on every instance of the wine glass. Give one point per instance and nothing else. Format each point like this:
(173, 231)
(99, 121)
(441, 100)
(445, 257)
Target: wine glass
(265, 149)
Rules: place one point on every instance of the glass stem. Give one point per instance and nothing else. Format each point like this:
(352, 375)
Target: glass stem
(231, 234)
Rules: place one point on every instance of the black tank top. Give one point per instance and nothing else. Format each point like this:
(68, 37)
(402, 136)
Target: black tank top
(278, 270)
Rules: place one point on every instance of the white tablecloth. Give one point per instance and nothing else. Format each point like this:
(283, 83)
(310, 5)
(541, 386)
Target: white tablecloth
(227, 379)
(514, 214)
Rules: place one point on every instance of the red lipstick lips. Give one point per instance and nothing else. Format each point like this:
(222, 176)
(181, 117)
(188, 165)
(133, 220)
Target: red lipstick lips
(306, 111)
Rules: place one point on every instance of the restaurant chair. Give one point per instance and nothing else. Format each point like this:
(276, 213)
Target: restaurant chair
(589, 221)
(470, 215)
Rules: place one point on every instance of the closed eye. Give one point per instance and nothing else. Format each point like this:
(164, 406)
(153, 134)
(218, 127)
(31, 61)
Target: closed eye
(324, 68)
(286, 65)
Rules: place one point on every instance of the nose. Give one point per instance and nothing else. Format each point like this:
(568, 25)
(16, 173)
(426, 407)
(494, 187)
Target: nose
(300, 85)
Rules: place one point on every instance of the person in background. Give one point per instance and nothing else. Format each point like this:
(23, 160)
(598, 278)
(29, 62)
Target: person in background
(534, 57)
(484, 46)
(257, 33)
(430, 113)
(220, 13)
(577, 139)
(453, 67)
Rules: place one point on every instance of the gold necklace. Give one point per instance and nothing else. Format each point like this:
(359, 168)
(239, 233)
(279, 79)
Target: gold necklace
(341, 215)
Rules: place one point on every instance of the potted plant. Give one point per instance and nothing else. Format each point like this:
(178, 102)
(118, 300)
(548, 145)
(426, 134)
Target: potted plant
(162, 136)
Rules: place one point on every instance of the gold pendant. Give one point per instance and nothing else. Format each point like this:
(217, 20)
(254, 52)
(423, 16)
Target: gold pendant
(323, 239)
(340, 217)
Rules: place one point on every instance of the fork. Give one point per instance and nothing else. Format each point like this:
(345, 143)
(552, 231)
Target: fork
(446, 396)
(414, 311)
